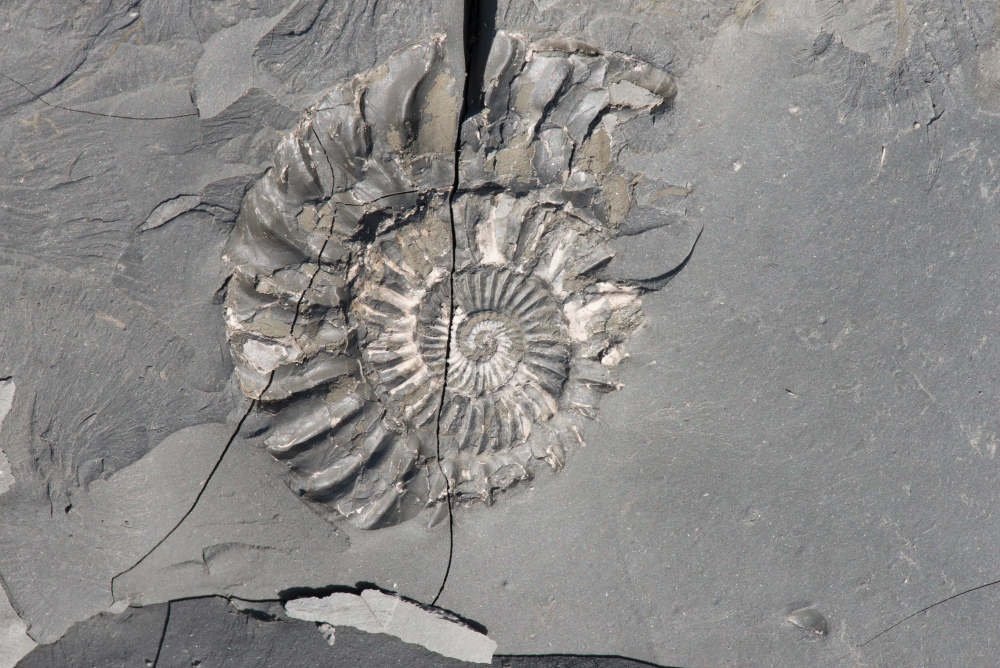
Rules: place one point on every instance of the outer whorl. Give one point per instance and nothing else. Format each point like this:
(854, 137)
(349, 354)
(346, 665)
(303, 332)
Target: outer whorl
(383, 329)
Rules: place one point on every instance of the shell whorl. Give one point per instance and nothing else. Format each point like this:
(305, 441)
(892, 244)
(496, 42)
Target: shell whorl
(416, 337)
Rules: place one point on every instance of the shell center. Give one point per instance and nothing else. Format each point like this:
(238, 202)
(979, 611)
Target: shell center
(485, 334)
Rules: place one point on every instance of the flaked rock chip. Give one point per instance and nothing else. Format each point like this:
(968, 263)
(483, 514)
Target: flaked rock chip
(421, 328)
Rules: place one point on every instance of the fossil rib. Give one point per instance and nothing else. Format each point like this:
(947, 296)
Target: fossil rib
(339, 309)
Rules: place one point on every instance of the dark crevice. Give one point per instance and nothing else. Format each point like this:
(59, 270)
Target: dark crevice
(451, 514)
(657, 282)
(312, 278)
(163, 636)
(201, 492)
(474, 66)
(220, 294)
(569, 661)
(382, 197)
(319, 143)
(94, 113)
(292, 593)
(482, 29)
(286, 595)
(925, 609)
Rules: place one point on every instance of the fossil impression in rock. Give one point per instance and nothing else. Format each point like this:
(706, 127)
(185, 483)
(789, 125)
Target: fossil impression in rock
(419, 301)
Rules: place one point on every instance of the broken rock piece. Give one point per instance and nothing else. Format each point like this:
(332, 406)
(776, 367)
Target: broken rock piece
(375, 612)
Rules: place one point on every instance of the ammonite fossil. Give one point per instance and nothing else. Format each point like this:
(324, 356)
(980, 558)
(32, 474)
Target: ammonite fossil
(425, 317)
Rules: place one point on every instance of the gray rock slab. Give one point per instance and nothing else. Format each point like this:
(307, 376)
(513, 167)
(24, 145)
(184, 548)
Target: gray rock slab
(130, 639)
(226, 69)
(97, 374)
(316, 43)
(116, 199)
(108, 529)
(805, 422)
(653, 253)
(251, 538)
(805, 437)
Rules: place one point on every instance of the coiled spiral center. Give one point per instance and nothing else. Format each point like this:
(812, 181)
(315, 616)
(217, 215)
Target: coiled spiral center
(489, 347)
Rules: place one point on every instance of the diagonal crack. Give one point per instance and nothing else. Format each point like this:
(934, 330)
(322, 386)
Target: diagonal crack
(201, 492)
(471, 11)
(911, 616)
(246, 414)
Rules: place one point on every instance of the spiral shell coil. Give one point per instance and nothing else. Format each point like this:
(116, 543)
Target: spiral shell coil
(424, 321)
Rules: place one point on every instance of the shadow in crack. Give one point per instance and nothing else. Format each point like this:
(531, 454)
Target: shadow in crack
(292, 593)
(481, 29)
(569, 661)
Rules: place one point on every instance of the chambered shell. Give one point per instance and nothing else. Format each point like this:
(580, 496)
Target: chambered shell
(423, 321)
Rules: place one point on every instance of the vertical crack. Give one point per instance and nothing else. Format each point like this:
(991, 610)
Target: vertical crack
(444, 385)
(469, 24)
(483, 30)
(163, 636)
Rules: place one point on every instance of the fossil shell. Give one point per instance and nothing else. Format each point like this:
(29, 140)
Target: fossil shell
(424, 321)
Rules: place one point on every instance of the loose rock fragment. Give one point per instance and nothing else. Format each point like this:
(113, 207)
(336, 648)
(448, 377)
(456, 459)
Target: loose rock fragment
(375, 612)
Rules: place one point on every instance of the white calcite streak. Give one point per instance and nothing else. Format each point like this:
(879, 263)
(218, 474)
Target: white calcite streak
(375, 612)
